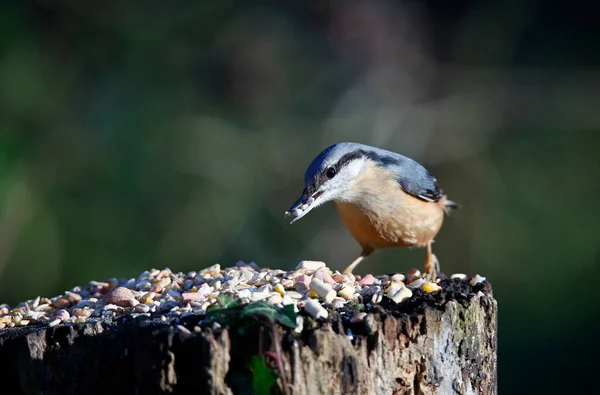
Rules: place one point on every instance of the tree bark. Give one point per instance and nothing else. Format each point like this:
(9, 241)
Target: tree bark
(441, 343)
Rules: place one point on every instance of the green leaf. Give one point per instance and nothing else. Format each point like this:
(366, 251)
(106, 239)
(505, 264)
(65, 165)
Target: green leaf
(263, 378)
(225, 311)
(287, 316)
(260, 310)
(226, 301)
(231, 312)
(222, 316)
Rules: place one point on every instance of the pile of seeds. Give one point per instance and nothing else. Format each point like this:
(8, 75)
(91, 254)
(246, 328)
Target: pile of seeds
(166, 294)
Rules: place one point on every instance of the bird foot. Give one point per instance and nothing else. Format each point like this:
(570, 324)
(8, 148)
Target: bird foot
(432, 268)
(351, 266)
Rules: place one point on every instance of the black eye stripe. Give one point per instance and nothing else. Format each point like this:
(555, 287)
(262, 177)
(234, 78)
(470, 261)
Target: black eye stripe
(331, 171)
(343, 161)
(348, 157)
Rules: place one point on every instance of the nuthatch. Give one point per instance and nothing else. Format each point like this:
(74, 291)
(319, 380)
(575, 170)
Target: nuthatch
(384, 199)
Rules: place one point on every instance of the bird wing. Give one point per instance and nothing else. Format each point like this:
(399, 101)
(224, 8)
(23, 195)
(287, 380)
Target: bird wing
(412, 177)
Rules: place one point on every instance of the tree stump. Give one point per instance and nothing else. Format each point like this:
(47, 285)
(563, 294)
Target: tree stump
(435, 343)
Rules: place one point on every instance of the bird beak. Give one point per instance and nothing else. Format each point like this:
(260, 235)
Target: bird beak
(303, 205)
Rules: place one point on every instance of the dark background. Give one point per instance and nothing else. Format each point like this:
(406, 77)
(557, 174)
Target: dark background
(176, 133)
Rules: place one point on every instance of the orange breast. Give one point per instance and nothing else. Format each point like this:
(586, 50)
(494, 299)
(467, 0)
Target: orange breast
(360, 226)
(403, 221)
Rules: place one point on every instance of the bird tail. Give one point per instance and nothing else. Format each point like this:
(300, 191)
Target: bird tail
(448, 205)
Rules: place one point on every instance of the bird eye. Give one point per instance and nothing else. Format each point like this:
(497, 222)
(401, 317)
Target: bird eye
(330, 172)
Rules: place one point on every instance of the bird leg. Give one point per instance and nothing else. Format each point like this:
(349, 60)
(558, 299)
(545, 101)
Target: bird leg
(432, 265)
(365, 253)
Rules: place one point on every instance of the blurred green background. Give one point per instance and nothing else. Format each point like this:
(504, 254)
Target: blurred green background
(175, 134)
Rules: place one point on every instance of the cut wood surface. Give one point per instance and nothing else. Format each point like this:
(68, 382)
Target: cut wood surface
(434, 343)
